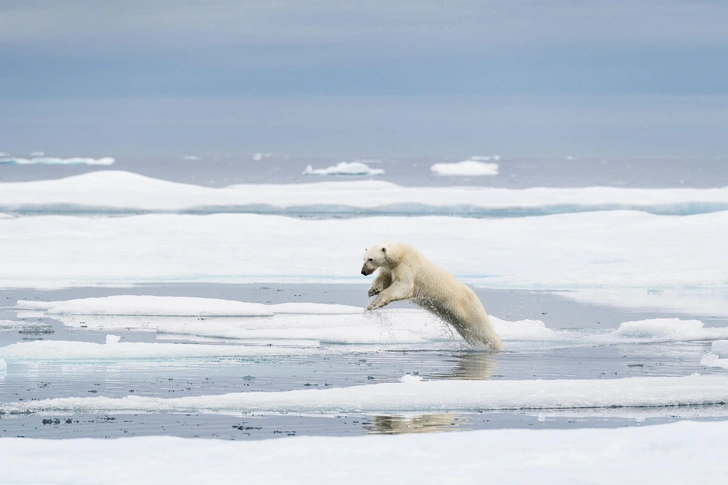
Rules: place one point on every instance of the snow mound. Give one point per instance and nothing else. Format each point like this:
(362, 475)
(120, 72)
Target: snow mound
(470, 168)
(720, 348)
(112, 339)
(409, 378)
(669, 329)
(718, 357)
(344, 168)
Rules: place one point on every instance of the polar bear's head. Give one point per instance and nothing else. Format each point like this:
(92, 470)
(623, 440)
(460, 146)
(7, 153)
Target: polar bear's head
(375, 257)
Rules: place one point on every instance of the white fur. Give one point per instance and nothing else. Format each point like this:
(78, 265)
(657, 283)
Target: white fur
(405, 274)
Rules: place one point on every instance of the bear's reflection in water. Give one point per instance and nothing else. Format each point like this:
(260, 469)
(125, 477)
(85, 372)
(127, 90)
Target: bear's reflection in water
(468, 366)
(426, 423)
(474, 366)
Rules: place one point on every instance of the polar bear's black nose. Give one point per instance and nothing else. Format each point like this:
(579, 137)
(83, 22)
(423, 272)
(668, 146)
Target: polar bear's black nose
(363, 272)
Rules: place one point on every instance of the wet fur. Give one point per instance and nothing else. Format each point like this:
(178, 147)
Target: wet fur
(405, 274)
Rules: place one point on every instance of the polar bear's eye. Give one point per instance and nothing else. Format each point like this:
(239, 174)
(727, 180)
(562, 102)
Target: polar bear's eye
(370, 259)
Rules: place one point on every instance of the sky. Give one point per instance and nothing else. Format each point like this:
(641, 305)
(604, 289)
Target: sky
(395, 78)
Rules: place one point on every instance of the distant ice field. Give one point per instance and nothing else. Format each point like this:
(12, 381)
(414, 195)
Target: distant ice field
(221, 171)
(117, 192)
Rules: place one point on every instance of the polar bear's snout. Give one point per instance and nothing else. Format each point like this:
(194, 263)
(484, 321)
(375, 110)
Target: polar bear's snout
(366, 270)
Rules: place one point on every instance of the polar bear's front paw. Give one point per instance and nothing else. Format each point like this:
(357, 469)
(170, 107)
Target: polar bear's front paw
(374, 291)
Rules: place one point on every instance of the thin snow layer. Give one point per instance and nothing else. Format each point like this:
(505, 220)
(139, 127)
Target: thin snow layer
(697, 301)
(57, 161)
(115, 191)
(586, 250)
(465, 168)
(387, 327)
(344, 168)
(321, 321)
(419, 396)
(292, 334)
(145, 305)
(677, 453)
(54, 350)
(668, 330)
(358, 332)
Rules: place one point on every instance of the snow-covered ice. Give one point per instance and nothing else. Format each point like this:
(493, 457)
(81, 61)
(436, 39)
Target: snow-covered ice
(344, 168)
(112, 339)
(338, 324)
(145, 305)
(570, 251)
(423, 396)
(467, 168)
(56, 350)
(669, 330)
(40, 160)
(718, 356)
(111, 190)
(720, 347)
(696, 300)
(679, 453)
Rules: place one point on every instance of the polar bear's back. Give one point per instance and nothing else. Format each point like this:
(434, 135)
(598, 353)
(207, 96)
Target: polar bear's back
(441, 293)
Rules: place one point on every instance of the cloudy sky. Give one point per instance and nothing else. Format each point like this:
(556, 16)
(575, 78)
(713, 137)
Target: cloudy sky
(616, 78)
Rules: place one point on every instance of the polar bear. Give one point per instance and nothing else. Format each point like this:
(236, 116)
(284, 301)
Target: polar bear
(405, 274)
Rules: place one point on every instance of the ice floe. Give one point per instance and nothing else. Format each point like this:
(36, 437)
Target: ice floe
(391, 328)
(54, 350)
(677, 453)
(423, 396)
(344, 168)
(570, 251)
(467, 168)
(718, 356)
(720, 347)
(9, 324)
(40, 160)
(117, 191)
(323, 324)
(669, 330)
(700, 301)
(145, 305)
(258, 156)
